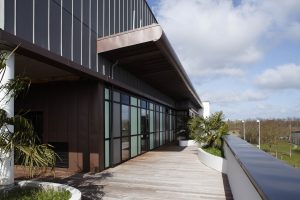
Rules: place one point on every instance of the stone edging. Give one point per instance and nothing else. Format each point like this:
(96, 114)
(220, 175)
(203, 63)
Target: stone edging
(212, 161)
(76, 194)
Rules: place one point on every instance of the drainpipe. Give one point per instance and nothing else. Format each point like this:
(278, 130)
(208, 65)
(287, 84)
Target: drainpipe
(112, 69)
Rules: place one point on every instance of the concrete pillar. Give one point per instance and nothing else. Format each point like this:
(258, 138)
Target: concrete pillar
(2, 14)
(7, 163)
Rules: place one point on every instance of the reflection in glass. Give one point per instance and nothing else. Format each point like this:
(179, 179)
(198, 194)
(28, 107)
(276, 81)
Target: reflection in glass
(125, 148)
(107, 117)
(151, 141)
(116, 120)
(116, 96)
(116, 151)
(134, 121)
(133, 146)
(125, 120)
(107, 153)
(125, 99)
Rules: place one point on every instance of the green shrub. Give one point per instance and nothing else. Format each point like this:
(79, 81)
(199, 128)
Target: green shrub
(208, 131)
(29, 193)
(214, 151)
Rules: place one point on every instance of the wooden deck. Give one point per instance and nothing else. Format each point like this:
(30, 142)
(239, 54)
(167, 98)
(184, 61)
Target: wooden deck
(171, 172)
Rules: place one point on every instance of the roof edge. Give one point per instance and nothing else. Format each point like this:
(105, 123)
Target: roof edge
(145, 34)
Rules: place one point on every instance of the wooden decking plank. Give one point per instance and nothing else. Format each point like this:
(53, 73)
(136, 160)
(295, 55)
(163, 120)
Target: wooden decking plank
(166, 173)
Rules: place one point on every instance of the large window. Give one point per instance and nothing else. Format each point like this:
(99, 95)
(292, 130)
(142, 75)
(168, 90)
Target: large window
(133, 126)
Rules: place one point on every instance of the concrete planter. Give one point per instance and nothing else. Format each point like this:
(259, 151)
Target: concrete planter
(214, 162)
(187, 143)
(76, 194)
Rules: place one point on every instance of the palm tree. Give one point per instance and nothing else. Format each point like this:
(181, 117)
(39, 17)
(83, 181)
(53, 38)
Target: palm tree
(17, 136)
(208, 131)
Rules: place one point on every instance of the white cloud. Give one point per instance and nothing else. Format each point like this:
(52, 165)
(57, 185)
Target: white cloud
(213, 37)
(232, 97)
(282, 77)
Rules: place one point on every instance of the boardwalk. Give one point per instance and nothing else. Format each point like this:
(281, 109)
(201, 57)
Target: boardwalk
(170, 172)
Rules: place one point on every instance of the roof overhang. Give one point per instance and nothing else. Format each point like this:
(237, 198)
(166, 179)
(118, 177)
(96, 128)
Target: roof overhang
(147, 53)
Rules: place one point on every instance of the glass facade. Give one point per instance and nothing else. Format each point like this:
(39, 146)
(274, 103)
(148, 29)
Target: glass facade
(133, 126)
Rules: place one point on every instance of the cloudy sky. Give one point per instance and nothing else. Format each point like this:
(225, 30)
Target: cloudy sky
(241, 55)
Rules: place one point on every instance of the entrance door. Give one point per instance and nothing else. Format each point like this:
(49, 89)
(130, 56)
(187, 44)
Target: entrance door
(144, 131)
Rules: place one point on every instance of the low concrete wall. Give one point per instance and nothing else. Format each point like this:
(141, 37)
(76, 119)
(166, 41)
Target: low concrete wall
(187, 143)
(76, 194)
(241, 186)
(212, 161)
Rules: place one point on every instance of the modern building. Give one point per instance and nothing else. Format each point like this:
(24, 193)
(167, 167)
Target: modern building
(106, 84)
(205, 112)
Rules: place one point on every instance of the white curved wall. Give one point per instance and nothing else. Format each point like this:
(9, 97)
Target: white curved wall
(212, 161)
(187, 143)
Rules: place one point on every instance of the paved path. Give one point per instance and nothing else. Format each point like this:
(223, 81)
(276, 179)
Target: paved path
(170, 172)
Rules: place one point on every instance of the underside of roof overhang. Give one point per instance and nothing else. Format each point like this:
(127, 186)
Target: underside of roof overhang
(147, 53)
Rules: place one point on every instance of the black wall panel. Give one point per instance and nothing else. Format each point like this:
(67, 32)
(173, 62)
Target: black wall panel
(130, 12)
(117, 16)
(100, 16)
(25, 19)
(121, 15)
(126, 15)
(135, 11)
(145, 15)
(94, 15)
(93, 34)
(9, 16)
(86, 8)
(67, 28)
(77, 31)
(106, 17)
(94, 54)
(85, 46)
(55, 15)
(112, 17)
(41, 23)
(85, 34)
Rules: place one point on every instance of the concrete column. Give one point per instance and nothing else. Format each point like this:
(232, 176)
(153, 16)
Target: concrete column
(7, 163)
(2, 14)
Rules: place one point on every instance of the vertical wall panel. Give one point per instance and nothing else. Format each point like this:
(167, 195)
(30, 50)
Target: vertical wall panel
(145, 14)
(66, 28)
(117, 16)
(100, 17)
(138, 13)
(130, 12)
(93, 51)
(126, 15)
(55, 19)
(121, 15)
(93, 23)
(85, 34)
(25, 19)
(106, 17)
(136, 25)
(77, 30)
(41, 23)
(112, 17)
(9, 16)
(94, 15)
